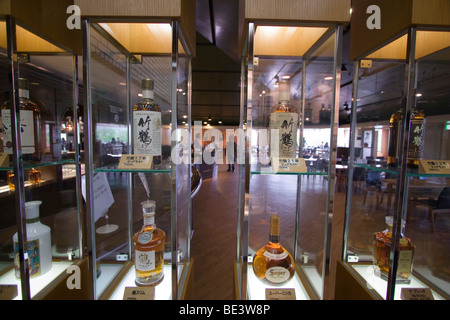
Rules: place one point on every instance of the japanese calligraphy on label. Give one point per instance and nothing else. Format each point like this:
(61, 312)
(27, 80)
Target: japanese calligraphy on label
(147, 132)
(416, 139)
(289, 165)
(26, 131)
(287, 124)
(434, 166)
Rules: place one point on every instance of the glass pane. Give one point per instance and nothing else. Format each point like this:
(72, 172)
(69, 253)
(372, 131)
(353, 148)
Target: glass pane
(429, 194)
(48, 141)
(291, 119)
(317, 142)
(375, 192)
(112, 199)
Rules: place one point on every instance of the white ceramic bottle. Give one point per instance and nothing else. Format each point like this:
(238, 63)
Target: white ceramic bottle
(38, 246)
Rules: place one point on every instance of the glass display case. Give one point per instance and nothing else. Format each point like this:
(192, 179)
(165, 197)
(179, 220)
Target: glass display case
(287, 148)
(137, 82)
(398, 183)
(41, 160)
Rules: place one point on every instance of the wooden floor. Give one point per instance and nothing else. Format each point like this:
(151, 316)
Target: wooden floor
(213, 246)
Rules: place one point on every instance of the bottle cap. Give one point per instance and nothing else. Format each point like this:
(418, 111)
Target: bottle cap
(148, 207)
(390, 221)
(147, 84)
(275, 225)
(32, 209)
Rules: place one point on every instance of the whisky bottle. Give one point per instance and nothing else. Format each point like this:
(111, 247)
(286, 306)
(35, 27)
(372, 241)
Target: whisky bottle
(416, 137)
(273, 263)
(382, 242)
(34, 176)
(284, 118)
(30, 120)
(147, 125)
(149, 249)
(38, 248)
(10, 180)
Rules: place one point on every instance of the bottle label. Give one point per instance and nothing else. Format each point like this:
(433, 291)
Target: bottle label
(405, 261)
(275, 256)
(26, 131)
(416, 139)
(277, 274)
(287, 124)
(144, 260)
(145, 237)
(147, 131)
(33, 255)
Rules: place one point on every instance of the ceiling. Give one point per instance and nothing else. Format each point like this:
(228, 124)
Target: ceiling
(216, 74)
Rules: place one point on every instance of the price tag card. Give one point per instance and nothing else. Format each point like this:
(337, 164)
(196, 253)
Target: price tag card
(280, 294)
(8, 291)
(289, 165)
(416, 294)
(139, 293)
(4, 159)
(434, 166)
(135, 162)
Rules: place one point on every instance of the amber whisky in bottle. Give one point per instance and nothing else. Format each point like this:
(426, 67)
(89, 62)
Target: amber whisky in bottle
(149, 249)
(273, 263)
(147, 125)
(416, 137)
(284, 118)
(30, 120)
(382, 242)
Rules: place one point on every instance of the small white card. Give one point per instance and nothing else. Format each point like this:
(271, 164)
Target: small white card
(139, 293)
(135, 162)
(416, 294)
(434, 166)
(280, 294)
(289, 165)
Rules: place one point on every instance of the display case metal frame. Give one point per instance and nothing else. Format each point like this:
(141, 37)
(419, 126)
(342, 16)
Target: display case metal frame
(287, 14)
(399, 25)
(179, 278)
(40, 42)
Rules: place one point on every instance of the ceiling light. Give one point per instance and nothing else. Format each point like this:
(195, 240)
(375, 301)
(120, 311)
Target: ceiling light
(328, 78)
(285, 77)
(418, 94)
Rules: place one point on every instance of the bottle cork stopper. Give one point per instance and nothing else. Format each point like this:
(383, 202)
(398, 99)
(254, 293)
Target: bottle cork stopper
(275, 225)
(147, 84)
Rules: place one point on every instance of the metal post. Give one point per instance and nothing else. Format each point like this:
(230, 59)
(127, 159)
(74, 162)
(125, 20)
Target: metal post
(402, 191)
(17, 157)
(89, 165)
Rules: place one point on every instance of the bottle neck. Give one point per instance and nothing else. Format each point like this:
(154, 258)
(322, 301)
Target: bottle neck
(23, 93)
(147, 94)
(274, 238)
(149, 221)
(33, 220)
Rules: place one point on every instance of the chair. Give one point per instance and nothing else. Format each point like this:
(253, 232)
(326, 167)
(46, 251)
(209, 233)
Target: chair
(441, 205)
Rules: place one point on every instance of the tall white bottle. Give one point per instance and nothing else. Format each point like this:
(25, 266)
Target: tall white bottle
(38, 246)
